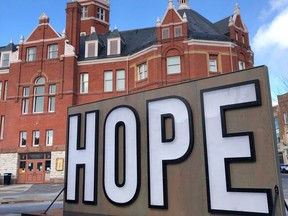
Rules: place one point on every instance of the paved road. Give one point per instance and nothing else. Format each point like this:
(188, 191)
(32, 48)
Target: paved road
(16, 199)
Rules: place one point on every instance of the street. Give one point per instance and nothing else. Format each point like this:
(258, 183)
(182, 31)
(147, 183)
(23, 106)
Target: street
(17, 209)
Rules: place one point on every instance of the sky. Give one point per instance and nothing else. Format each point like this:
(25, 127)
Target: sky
(266, 20)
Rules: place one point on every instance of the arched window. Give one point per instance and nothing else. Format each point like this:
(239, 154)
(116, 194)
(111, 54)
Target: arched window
(39, 91)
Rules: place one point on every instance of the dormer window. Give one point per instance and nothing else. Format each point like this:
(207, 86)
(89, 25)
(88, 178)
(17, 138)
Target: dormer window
(84, 11)
(101, 14)
(5, 59)
(91, 48)
(114, 46)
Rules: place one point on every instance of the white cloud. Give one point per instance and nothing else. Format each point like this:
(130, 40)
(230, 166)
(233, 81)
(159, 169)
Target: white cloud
(273, 34)
(270, 45)
(278, 4)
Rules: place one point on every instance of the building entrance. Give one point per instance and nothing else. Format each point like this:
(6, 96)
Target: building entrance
(34, 167)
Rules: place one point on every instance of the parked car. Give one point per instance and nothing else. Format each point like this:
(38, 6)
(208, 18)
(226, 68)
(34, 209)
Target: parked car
(284, 168)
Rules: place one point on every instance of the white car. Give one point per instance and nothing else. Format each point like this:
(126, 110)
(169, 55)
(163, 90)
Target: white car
(284, 168)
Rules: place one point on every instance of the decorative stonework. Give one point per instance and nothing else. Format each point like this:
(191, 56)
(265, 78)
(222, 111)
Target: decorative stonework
(69, 49)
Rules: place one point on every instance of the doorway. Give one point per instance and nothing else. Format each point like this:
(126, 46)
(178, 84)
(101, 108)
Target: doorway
(34, 167)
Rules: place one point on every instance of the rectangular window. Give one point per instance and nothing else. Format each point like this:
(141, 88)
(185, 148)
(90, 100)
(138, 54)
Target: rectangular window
(51, 98)
(243, 38)
(113, 47)
(101, 14)
(178, 31)
(39, 99)
(53, 51)
(286, 118)
(142, 71)
(108, 81)
(36, 138)
(0, 90)
(84, 83)
(2, 127)
(84, 11)
(5, 90)
(173, 65)
(23, 139)
(241, 65)
(165, 33)
(31, 54)
(49, 137)
(91, 49)
(120, 83)
(25, 100)
(5, 60)
(212, 65)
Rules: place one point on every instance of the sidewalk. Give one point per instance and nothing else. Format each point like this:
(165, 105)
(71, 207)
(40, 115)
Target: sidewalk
(27, 193)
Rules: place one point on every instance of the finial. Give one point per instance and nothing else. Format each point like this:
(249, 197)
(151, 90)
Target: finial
(21, 39)
(237, 9)
(63, 33)
(170, 4)
(158, 22)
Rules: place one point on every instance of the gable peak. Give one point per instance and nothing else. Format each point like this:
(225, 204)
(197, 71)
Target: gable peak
(43, 18)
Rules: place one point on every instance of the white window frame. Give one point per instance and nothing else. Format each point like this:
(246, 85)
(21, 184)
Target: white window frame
(84, 12)
(108, 81)
(285, 118)
(5, 62)
(51, 98)
(101, 14)
(52, 52)
(165, 33)
(241, 65)
(2, 127)
(39, 98)
(87, 43)
(25, 100)
(31, 54)
(213, 67)
(120, 80)
(178, 32)
(36, 134)
(174, 65)
(49, 137)
(109, 51)
(5, 90)
(23, 136)
(142, 71)
(84, 83)
(1, 88)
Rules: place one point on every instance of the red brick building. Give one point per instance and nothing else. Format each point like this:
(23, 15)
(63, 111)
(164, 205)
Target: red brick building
(281, 123)
(48, 72)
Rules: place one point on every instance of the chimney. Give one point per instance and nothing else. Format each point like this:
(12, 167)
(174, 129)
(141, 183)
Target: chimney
(73, 24)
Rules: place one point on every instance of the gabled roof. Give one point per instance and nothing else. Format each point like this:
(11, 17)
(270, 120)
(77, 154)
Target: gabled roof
(9, 47)
(136, 40)
(223, 25)
(201, 28)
